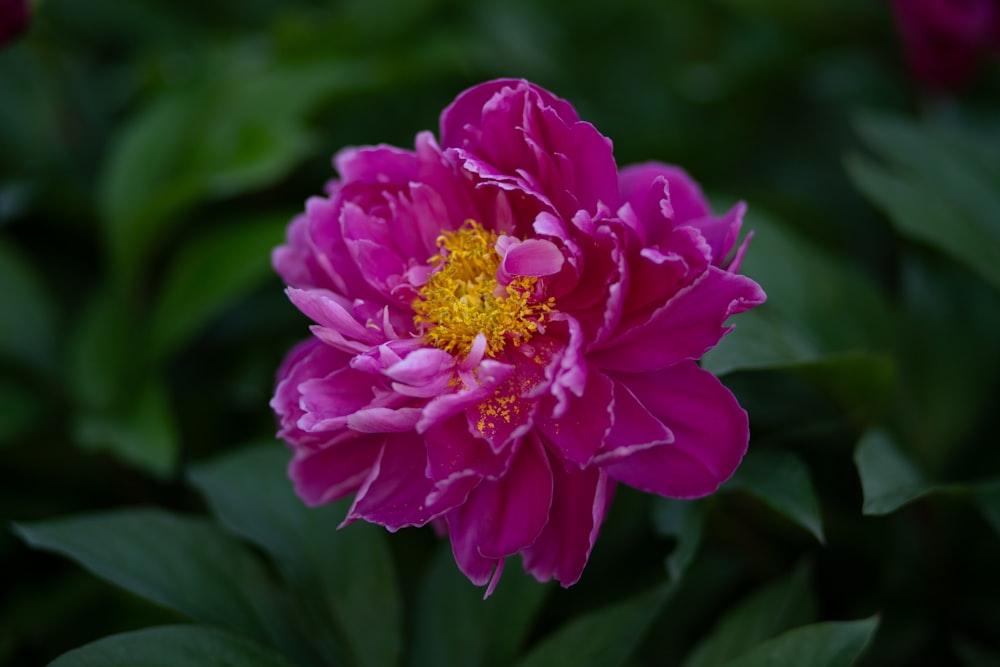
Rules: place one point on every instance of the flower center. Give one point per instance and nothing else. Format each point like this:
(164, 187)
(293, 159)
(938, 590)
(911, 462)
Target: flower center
(463, 299)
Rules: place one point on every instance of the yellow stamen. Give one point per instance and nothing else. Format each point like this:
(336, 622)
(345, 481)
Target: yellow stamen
(463, 299)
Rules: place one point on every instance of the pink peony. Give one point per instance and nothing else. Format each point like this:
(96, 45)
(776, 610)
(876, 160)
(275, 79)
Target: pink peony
(945, 40)
(506, 326)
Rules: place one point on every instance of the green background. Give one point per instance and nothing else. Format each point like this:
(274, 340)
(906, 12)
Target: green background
(151, 155)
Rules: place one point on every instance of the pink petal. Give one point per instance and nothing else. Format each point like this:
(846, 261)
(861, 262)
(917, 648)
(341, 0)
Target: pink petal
(331, 311)
(532, 257)
(307, 360)
(488, 376)
(507, 414)
(579, 433)
(642, 185)
(579, 502)
(328, 401)
(689, 324)
(383, 420)
(710, 430)
(396, 493)
(501, 517)
(454, 450)
(329, 473)
(633, 428)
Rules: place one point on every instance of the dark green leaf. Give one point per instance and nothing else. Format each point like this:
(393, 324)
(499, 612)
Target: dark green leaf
(346, 575)
(239, 126)
(988, 500)
(682, 520)
(603, 638)
(141, 431)
(819, 645)
(183, 563)
(780, 479)
(103, 356)
(454, 626)
(173, 645)
(212, 271)
(27, 314)
(939, 187)
(775, 608)
(889, 480)
(830, 320)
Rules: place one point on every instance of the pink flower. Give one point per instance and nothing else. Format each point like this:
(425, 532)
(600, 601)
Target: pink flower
(945, 40)
(506, 326)
(14, 15)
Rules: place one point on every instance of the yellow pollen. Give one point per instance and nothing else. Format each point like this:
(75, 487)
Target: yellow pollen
(462, 297)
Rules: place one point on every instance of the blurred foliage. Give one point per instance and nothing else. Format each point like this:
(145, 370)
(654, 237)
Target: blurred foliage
(151, 155)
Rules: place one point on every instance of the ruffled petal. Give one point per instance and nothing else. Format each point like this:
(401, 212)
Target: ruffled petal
(336, 470)
(455, 450)
(396, 492)
(710, 431)
(501, 517)
(332, 312)
(579, 503)
(689, 324)
(579, 433)
(308, 360)
(633, 427)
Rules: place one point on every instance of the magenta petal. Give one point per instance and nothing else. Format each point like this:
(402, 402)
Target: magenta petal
(396, 493)
(332, 312)
(307, 361)
(379, 164)
(721, 233)
(533, 257)
(507, 414)
(579, 503)
(710, 430)
(633, 428)
(453, 450)
(327, 474)
(501, 517)
(689, 324)
(640, 181)
(580, 432)
(383, 420)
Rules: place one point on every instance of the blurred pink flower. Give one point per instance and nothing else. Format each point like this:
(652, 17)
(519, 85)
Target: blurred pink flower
(14, 15)
(506, 325)
(944, 41)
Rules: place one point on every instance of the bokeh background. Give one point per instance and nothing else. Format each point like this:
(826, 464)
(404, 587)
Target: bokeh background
(152, 153)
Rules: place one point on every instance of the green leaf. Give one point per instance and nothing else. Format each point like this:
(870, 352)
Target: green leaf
(141, 432)
(604, 638)
(780, 479)
(215, 269)
(889, 480)
(988, 501)
(239, 126)
(27, 314)
(172, 645)
(103, 359)
(454, 625)
(775, 608)
(835, 644)
(183, 563)
(682, 520)
(831, 321)
(938, 186)
(346, 575)
(831, 308)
